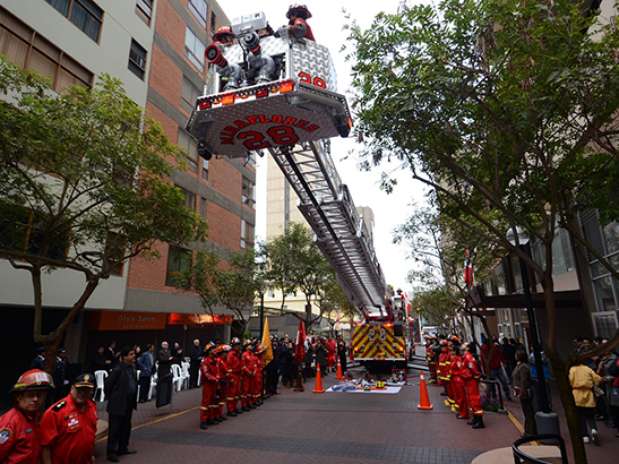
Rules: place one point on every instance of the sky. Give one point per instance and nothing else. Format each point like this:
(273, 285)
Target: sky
(390, 210)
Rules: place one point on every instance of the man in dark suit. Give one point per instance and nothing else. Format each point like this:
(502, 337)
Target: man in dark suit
(121, 388)
(195, 359)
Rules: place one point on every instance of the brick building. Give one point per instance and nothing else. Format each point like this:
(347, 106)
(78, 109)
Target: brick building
(156, 48)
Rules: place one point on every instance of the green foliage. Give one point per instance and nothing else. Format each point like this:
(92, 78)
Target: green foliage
(85, 183)
(296, 263)
(437, 304)
(507, 109)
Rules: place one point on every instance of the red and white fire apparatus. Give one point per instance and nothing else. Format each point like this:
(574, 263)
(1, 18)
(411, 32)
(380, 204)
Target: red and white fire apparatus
(274, 90)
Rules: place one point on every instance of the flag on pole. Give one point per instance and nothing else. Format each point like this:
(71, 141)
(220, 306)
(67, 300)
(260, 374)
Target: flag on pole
(266, 346)
(299, 351)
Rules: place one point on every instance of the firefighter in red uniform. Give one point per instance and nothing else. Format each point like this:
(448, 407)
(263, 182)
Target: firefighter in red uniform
(248, 370)
(69, 426)
(222, 388)
(258, 386)
(453, 344)
(442, 369)
(297, 22)
(208, 371)
(471, 385)
(457, 381)
(20, 440)
(233, 374)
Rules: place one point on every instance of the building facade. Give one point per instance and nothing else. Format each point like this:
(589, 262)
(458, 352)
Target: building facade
(156, 48)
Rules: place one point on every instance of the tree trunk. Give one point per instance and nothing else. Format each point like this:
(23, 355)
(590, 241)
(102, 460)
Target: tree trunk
(53, 340)
(560, 371)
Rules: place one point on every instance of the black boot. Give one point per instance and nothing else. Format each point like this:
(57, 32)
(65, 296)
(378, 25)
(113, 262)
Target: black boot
(479, 424)
(203, 425)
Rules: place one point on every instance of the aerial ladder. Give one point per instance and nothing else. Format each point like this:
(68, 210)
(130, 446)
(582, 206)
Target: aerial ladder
(275, 92)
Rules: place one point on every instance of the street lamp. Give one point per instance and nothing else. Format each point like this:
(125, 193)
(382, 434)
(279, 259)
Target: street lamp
(518, 237)
(261, 264)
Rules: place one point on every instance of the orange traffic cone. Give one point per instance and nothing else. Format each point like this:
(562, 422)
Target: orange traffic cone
(424, 398)
(339, 375)
(318, 385)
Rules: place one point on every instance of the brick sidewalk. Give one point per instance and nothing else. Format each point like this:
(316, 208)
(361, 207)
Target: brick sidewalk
(308, 428)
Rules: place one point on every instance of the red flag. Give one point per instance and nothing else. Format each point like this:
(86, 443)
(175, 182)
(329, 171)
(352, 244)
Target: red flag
(299, 349)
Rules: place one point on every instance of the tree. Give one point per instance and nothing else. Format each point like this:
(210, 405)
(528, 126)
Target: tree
(437, 245)
(296, 263)
(84, 186)
(507, 111)
(202, 278)
(333, 305)
(238, 284)
(283, 271)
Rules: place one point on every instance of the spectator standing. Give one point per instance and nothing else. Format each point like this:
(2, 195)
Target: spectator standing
(509, 356)
(164, 375)
(322, 355)
(195, 358)
(68, 427)
(583, 379)
(341, 352)
(492, 361)
(177, 354)
(60, 375)
(523, 390)
(20, 441)
(146, 366)
(612, 373)
(39, 360)
(99, 361)
(121, 388)
(111, 356)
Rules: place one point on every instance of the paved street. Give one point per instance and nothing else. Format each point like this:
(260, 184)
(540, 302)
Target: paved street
(310, 428)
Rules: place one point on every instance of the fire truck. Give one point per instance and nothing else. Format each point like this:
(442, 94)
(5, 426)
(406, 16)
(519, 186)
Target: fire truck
(386, 341)
(274, 91)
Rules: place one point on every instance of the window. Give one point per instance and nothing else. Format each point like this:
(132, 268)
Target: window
(115, 250)
(248, 192)
(213, 21)
(203, 207)
(190, 198)
(137, 59)
(27, 49)
(190, 95)
(195, 49)
(190, 147)
(144, 9)
(611, 234)
(85, 14)
(604, 294)
(247, 234)
(28, 231)
(179, 262)
(198, 8)
(204, 169)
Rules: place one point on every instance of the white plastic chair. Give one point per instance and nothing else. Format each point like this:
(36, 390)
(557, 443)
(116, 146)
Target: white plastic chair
(185, 374)
(199, 378)
(100, 379)
(153, 385)
(177, 376)
(138, 378)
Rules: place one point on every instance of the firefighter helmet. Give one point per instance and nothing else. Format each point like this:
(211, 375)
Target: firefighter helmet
(208, 347)
(223, 34)
(235, 341)
(297, 10)
(34, 379)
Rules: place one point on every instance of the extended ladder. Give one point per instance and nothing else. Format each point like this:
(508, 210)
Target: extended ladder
(341, 233)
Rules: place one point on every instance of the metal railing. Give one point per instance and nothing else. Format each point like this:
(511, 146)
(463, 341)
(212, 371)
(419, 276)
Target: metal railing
(520, 457)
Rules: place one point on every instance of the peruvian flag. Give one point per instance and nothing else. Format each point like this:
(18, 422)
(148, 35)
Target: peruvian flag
(468, 269)
(299, 350)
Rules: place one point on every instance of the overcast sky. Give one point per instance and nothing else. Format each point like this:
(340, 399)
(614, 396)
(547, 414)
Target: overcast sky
(389, 210)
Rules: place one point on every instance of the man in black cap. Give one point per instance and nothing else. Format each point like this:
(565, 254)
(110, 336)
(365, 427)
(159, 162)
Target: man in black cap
(69, 426)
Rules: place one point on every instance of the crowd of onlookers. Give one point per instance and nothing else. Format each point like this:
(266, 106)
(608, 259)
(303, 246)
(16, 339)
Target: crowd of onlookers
(508, 369)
